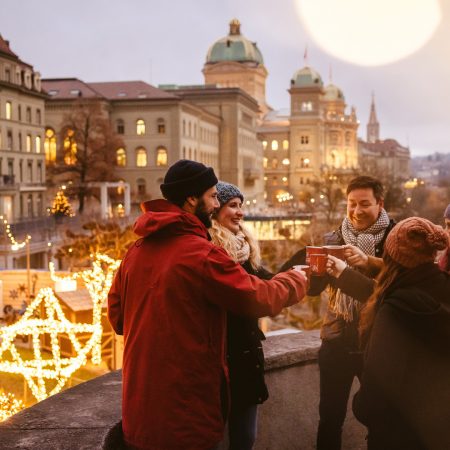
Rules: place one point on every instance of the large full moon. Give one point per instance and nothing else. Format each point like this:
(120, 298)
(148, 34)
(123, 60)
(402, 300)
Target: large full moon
(370, 32)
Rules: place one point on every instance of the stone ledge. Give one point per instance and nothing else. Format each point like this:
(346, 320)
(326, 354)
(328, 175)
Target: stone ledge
(85, 417)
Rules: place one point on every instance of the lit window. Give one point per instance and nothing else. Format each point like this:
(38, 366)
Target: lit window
(121, 157)
(50, 145)
(161, 157)
(274, 145)
(285, 144)
(264, 144)
(141, 157)
(285, 180)
(38, 144)
(274, 163)
(285, 162)
(140, 127)
(307, 106)
(265, 162)
(28, 147)
(70, 148)
(8, 110)
(305, 163)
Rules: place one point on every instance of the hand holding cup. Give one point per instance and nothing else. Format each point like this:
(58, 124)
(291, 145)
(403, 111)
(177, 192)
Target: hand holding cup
(355, 256)
(335, 266)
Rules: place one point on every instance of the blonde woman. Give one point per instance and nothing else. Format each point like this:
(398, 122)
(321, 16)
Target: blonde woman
(244, 351)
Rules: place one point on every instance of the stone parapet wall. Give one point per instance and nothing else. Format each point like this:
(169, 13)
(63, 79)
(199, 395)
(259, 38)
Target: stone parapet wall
(85, 417)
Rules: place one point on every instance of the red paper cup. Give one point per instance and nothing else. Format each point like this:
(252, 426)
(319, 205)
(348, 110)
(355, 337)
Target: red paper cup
(335, 250)
(318, 264)
(313, 250)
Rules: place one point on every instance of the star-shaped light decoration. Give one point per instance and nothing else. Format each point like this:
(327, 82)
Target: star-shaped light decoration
(40, 373)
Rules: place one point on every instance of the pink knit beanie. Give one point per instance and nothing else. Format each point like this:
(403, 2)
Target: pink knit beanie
(415, 241)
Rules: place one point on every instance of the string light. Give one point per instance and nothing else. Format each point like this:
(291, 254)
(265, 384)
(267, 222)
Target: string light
(59, 369)
(15, 245)
(9, 405)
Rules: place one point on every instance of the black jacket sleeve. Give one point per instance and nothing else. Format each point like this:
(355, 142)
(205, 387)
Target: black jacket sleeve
(355, 284)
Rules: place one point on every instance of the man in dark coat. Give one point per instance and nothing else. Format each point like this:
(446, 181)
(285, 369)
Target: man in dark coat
(340, 360)
(169, 299)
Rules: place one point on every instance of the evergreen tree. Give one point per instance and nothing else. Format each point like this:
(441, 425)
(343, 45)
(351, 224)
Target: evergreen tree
(61, 206)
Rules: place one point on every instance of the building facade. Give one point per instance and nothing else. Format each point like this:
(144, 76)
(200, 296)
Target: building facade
(159, 126)
(383, 157)
(22, 162)
(314, 136)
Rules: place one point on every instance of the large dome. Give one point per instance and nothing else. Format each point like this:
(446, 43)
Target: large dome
(333, 93)
(306, 77)
(234, 47)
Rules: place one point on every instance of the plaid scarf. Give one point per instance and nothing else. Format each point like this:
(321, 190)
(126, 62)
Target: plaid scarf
(343, 305)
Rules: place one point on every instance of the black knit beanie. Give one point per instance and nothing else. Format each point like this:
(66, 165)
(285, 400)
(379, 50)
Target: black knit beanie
(185, 178)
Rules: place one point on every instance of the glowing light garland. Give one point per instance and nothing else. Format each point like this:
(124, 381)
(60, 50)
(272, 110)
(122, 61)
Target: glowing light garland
(38, 370)
(9, 406)
(15, 245)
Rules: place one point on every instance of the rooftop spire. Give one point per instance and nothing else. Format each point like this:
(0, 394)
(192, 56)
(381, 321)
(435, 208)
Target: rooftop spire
(235, 27)
(373, 127)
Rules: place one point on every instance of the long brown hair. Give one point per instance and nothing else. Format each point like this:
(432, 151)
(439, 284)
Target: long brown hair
(389, 273)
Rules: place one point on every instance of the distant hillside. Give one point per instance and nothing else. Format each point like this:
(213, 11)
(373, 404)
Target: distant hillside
(434, 169)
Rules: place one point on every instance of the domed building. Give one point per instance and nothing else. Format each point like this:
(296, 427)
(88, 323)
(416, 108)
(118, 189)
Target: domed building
(235, 61)
(314, 136)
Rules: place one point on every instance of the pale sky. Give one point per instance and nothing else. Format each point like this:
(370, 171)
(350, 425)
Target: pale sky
(166, 41)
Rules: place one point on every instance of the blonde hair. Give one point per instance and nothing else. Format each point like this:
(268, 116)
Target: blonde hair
(224, 238)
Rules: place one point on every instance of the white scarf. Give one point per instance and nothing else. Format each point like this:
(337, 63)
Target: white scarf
(241, 246)
(343, 305)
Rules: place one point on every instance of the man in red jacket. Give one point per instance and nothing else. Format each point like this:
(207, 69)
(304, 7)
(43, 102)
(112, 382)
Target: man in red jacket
(169, 300)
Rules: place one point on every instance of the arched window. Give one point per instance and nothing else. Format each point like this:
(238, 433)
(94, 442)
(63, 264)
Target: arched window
(265, 162)
(274, 163)
(30, 205)
(274, 145)
(285, 162)
(141, 188)
(70, 148)
(38, 144)
(39, 205)
(141, 157)
(120, 126)
(140, 127)
(8, 111)
(28, 145)
(121, 157)
(50, 145)
(161, 157)
(161, 126)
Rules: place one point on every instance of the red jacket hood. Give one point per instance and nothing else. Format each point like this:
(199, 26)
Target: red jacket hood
(161, 215)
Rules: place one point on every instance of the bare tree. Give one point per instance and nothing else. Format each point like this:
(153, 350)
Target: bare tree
(108, 238)
(87, 152)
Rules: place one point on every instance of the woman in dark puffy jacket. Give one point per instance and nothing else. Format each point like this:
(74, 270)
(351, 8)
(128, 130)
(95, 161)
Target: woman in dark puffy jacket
(404, 398)
(244, 352)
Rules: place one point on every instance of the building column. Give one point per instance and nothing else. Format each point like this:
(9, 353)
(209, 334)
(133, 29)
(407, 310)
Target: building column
(127, 199)
(104, 200)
